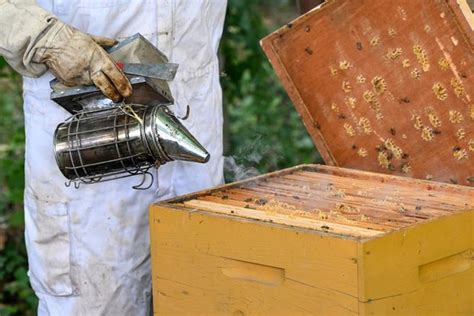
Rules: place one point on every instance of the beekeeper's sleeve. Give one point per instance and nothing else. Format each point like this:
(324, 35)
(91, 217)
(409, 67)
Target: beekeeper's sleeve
(22, 24)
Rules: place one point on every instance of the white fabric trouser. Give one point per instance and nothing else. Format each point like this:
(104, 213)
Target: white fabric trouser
(89, 248)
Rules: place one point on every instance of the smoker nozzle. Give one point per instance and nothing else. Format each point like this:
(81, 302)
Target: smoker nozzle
(176, 141)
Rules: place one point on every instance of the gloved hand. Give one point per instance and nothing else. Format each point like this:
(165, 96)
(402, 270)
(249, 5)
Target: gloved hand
(76, 58)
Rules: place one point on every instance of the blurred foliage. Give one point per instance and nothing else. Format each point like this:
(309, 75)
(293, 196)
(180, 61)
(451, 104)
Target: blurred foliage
(263, 129)
(263, 132)
(16, 296)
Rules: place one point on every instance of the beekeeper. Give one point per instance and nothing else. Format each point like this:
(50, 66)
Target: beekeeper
(88, 248)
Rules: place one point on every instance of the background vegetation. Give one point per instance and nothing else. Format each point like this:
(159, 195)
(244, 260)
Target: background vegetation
(263, 132)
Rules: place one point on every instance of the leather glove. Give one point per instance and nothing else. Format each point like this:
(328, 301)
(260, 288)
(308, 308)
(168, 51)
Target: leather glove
(76, 58)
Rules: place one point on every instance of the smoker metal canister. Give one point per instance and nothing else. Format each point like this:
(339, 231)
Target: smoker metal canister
(123, 141)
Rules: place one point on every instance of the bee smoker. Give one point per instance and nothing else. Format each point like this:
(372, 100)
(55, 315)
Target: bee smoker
(101, 143)
(122, 141)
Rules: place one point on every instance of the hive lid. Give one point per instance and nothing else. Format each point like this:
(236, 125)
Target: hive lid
(384, 86)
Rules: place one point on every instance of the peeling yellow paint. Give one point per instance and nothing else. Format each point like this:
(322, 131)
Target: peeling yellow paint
(379, 85)
(364, 123)
(362, 152)
(415, 74)
(461, 134)
(344, 65)
(440, 91)
(406, 168)
(372, 100)
(427, 133)
(361, 79)
(394, 53)
(458, 87)
(350, 102)
(375, 41)
(349, 129)
(443, 64)
(346, 86)
(434, 119)
(455, 117)
(418, 122)
(422, 57)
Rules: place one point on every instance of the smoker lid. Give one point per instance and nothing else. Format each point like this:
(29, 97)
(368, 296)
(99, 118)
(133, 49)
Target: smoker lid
(135, 49)
(384, 86)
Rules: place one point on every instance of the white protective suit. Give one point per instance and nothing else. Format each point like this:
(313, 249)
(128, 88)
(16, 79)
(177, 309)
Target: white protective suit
(89, 248)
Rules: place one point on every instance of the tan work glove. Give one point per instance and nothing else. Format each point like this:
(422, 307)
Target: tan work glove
(76, 58)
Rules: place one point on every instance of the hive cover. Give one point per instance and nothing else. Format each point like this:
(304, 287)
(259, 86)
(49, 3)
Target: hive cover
(385, 86)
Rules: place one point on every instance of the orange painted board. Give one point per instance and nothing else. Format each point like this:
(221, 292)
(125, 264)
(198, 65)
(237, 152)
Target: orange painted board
(384, 86)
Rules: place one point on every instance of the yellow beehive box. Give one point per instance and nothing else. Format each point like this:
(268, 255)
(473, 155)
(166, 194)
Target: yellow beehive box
(316, 240)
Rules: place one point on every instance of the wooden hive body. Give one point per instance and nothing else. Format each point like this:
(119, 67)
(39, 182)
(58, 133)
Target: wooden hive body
(382, 86)
(316, 240)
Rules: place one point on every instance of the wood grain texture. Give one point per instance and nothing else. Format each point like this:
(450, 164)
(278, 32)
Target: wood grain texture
(345, 202)
(384, 86)
(193, 253)
(427, 269)
(278, 245)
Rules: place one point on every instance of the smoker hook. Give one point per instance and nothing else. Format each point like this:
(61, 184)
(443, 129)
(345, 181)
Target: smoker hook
(140, 185)
(185, 117)
(76, 184)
